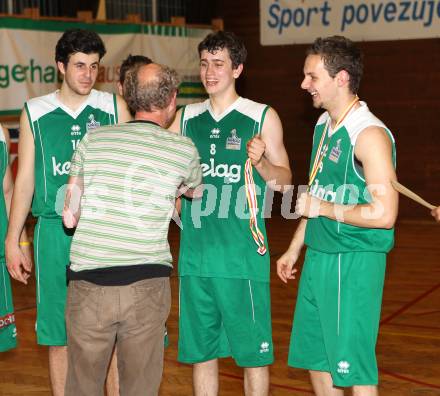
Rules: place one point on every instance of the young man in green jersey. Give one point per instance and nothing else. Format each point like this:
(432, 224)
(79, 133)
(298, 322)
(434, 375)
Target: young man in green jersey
(128, 65)
(348, 218)
(224, 281)
(51, 127)
(8, 331)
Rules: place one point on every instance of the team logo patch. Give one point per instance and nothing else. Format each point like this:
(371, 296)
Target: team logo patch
(215, 133)
(335, 152)
(75, 130)
(7, 320)
(233, 142)
(264, 347)
(92, 124)
(343, 367)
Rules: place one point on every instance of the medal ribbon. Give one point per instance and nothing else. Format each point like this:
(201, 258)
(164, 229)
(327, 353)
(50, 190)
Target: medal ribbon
(251, 196)
(319, 157)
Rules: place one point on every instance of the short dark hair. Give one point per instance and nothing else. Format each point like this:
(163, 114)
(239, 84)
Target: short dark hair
(130, 62)
(78, 40)
(340, 53)
(214, 42)
(154, 94)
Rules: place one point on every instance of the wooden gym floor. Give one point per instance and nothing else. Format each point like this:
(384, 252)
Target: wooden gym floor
(408, 346)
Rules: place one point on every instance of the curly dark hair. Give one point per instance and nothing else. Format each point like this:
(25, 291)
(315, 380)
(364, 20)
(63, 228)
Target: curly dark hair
(78, 40)
(130, 62)
(219, 40)
(153, 94)
(340, 53)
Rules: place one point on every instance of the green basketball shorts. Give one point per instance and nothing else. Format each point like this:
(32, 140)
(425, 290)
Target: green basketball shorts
(51, 255)
(222, 317)
(8, 331)
(337, 316)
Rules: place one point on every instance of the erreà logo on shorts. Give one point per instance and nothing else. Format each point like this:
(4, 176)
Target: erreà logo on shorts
(59, 168)
(264, 347)
(7, 320)
(343, 367)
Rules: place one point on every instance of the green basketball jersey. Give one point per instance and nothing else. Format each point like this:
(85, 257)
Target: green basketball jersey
(57, 131)
(340, 179)
(216, 240)
(4, 160)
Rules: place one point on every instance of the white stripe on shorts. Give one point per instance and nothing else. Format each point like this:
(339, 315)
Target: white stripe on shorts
(252, 301)
(339, 288)
(4, 286)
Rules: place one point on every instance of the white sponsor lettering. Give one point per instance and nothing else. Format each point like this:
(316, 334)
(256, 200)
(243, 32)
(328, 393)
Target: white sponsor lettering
(231, 173)
(59, 168)
(7, 320)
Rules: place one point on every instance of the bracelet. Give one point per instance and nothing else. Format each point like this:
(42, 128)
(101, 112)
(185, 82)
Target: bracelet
(24, 243)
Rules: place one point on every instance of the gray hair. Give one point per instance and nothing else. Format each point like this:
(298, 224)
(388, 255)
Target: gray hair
(155, 94)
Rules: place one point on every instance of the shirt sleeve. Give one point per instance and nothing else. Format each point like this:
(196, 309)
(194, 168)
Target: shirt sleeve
(77, 163)
(194, 175)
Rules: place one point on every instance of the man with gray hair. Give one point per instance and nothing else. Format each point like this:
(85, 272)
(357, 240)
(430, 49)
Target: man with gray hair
(126, 177)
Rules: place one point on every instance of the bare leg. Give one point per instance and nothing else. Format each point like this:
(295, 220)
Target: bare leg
(256, 381)
(205, 378)
(323, 384)
(112, 383)
(58, 369)
(365, 390)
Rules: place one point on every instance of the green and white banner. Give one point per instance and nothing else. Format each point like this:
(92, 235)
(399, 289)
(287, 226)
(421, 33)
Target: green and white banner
(27, 56)
(299, 21)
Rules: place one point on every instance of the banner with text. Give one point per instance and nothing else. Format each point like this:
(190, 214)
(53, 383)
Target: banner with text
(27, 57)
(301, 21)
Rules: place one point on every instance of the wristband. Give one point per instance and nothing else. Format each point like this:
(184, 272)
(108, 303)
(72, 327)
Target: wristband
(24, 243)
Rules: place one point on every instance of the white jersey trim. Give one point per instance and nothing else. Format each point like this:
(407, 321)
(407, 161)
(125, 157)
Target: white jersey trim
(247, 107)
(360, 119)
(356, 121)
(2, 135)
(42, 105)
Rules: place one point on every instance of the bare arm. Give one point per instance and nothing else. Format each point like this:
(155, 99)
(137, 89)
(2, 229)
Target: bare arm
(268, 154)
(21, 202)
(374, 150)
(123, 112)
(436, 213)
(287, 261)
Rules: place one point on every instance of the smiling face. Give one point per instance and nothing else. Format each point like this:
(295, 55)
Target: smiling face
(318, 82)
(217, 73)
(80, 73)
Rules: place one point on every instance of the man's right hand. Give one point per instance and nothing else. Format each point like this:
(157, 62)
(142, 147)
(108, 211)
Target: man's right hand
(436, 213)
(286, 263)
(18, 262)
(69, 219)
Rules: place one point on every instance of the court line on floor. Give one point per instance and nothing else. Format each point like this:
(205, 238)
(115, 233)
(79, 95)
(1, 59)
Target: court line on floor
(408, 379)
(26, 308)
(409, 304)
(436, 328)
(393, 333)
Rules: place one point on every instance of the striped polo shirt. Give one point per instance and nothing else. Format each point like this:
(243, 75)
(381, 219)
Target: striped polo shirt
(131, 173)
